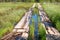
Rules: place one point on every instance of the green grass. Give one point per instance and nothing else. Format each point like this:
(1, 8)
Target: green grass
(42, 33)
(10, 14)
(53, 11)
(5, 6)
(31, 32)
(8, 21)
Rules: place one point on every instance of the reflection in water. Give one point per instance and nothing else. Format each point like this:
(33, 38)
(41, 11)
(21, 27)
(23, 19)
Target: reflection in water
(35, 20)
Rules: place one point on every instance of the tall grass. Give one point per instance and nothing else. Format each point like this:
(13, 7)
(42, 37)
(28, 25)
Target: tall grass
(53, 11)
(31, 32)
(8, 21)
(42, 33)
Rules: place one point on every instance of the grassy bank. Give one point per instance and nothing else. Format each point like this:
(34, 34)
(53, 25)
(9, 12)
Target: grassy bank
(53, 11)
(10, 14)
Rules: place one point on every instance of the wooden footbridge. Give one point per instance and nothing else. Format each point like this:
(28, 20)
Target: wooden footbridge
(51, 32)
(21, 30)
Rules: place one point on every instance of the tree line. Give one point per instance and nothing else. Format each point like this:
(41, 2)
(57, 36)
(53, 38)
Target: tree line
(29, 0)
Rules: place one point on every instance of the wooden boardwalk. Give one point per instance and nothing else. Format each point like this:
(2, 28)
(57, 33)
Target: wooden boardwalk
(22, 28)
(51, 32)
